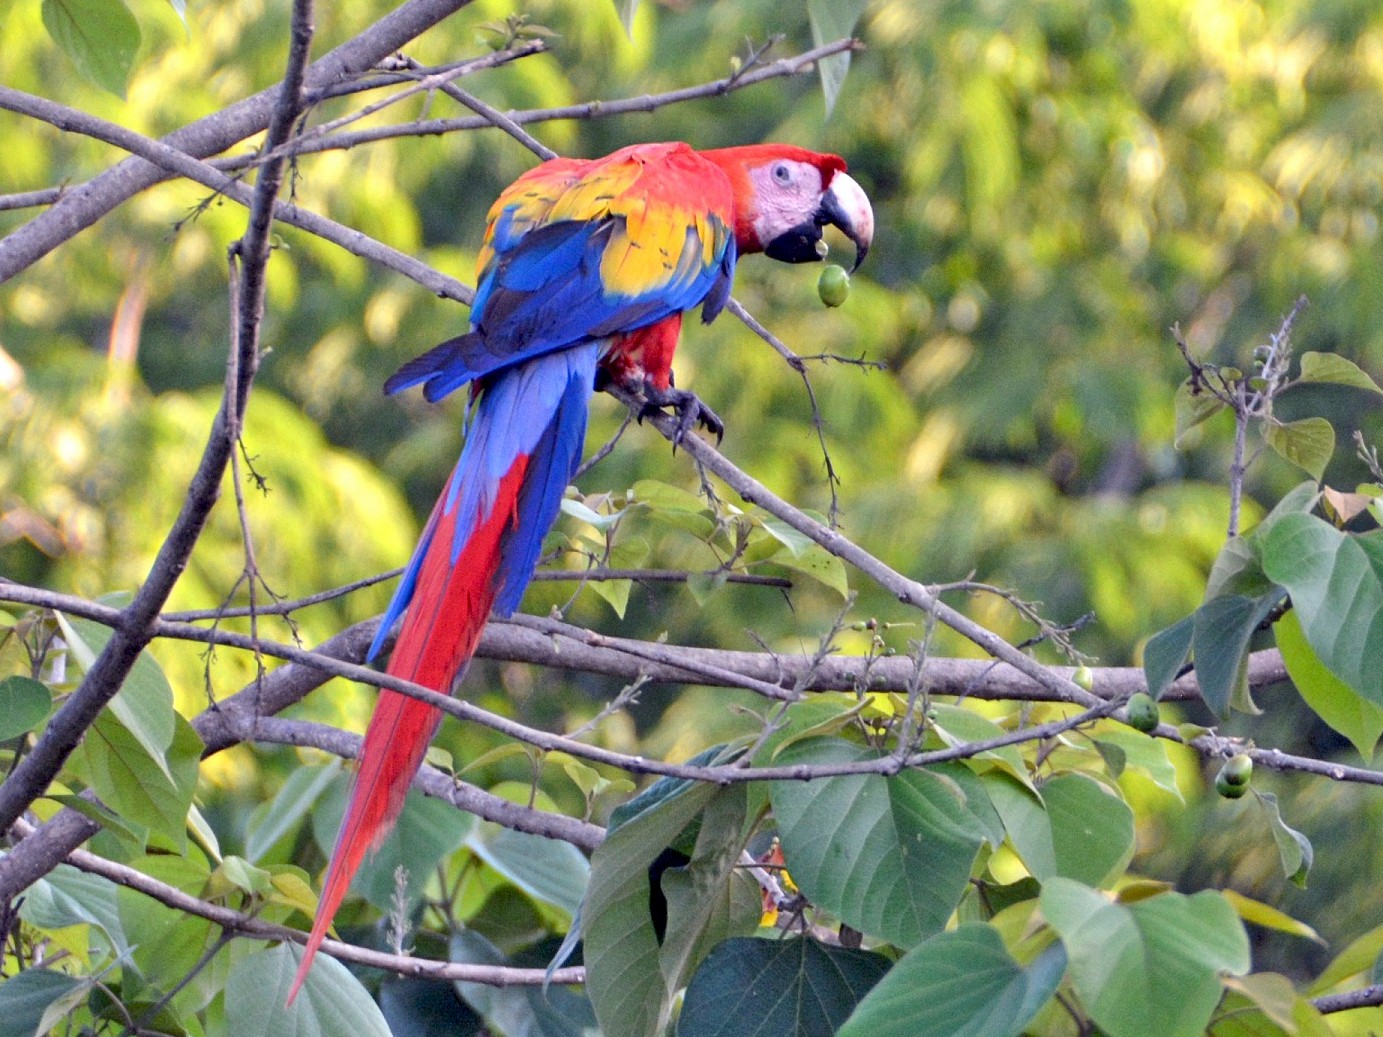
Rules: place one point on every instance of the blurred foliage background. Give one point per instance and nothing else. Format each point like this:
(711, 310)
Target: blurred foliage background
(1056, 185)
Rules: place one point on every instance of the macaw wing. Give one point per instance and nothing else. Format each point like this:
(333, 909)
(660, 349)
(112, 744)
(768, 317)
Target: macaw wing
(579, 251)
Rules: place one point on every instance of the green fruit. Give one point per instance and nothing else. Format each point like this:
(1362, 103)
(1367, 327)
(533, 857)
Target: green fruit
(1227, 788)
(834, 285)
(1142, 712)
(1238, 769)
(1083, 678)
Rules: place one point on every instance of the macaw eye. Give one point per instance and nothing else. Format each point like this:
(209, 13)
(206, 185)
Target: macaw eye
(782, 173)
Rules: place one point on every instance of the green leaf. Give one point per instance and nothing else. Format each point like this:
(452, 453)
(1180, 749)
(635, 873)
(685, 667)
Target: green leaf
(1308, 443)
(144, 703)
(819, 564)
(1269, 917)
(1220, 639)
(1331, 699)
(1192, 409)
(548, 869)
(1074, 827)
(424, 1008)
(427, 831)
(1166, 653)
(1336, 583)
(1143, 753)
(243, 875)
(795, 541)
(777, 988)
(1092, 828)
(96, 811)
(832, 20)
(956, 725)
(661, 496)
(332, 1003)
(66, 896)
(1335, 369)
(525, 1010)
(958, 984)
(1265, 1004)
(24, 704)
(623, 978)
(1238, 570)
(1150, 968)
(888, 856)
(1357, 958)
(295, 799)
(709, 899)
(1293, 848)
(155, 792)
(35, 1000)
(100, 36)
(166, 943)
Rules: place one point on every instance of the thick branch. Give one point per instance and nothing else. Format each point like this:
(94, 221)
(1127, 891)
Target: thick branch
(177, 163)
(132, 632)
(83, 205)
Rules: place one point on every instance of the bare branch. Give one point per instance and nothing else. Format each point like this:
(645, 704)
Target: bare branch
(85, 204)
(245, 925)
(132, 632)
(175, 162)
(791, 66)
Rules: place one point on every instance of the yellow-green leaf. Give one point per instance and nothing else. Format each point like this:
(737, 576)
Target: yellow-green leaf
(1335, 369)
(1307, 443)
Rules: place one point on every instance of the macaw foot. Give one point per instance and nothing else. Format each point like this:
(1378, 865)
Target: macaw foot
(688, 409)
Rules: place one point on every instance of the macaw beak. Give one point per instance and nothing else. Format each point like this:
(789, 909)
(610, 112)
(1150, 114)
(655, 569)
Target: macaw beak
(844, 205)
(847, 206)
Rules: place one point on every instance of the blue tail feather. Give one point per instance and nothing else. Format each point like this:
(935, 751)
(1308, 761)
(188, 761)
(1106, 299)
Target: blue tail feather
(537, 409)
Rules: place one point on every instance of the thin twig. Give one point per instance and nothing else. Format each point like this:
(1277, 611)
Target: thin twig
(245, 925)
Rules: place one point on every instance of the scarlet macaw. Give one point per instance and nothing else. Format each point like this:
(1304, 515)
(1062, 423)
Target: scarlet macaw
(585, 271)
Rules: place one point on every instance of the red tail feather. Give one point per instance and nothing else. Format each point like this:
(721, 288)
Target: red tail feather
(434, 646)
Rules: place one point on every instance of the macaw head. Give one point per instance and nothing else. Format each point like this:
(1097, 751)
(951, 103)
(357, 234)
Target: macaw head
(785, 195)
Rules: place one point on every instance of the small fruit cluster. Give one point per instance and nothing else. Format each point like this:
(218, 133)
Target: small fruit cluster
(1233, 780)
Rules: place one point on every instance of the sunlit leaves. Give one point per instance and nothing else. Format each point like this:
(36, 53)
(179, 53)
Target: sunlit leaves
(1337, 370)
(1336, 583)
(1309, 443)
(623, 977)
(1293, 848)
(1150, 968)
(332, 1003)
(35, 1000)
(154, 791)
(1358, 719)
(24, 704)
(100, 36)
(958, 984)
(832, 20)
(888, 856)
(1071, 827)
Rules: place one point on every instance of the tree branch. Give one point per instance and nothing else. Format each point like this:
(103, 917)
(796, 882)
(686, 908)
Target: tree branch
(132, 632)
(246, 925)
(83, 205)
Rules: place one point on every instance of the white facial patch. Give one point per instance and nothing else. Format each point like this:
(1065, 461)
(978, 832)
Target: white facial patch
(786, 193)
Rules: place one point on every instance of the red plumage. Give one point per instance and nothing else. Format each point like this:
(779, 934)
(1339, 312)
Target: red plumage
(583, 263)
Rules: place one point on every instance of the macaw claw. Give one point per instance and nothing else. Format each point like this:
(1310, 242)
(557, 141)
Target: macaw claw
(688, 409)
